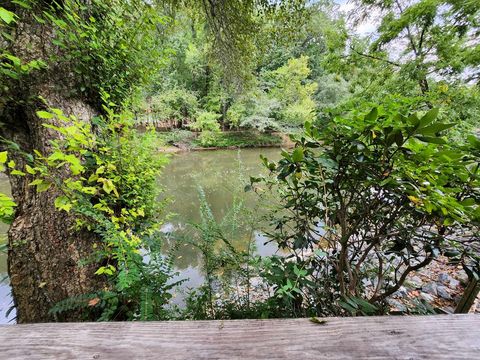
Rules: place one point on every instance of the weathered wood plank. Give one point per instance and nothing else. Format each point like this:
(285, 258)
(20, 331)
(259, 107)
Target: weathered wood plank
(420, 337)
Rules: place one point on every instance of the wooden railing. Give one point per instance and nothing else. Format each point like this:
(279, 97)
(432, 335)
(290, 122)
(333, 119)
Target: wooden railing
(387, 337)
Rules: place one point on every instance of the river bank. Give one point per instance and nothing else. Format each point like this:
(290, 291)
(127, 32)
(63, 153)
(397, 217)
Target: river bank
(178, 140)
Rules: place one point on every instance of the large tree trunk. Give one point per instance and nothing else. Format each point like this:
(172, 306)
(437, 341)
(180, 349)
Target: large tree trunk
(45, 252)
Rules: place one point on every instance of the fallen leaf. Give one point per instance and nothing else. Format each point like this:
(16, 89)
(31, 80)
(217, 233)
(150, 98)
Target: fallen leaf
(94, 302)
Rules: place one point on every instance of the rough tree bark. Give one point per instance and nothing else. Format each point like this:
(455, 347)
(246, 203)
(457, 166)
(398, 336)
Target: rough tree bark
(45, 252)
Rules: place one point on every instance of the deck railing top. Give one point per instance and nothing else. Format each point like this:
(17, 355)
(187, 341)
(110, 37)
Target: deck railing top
(387, 337)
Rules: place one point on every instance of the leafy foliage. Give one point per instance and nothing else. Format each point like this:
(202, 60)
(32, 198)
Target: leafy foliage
(229, 263)
(367, 196)
(373, 196)
(124, 40)
(173, 104)
(294, 91)
(438, 34)
(107, 197)
(7, 205)
(12, 68)
(206, 122)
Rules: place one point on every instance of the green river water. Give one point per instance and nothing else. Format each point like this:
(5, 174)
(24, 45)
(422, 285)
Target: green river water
(220, 174)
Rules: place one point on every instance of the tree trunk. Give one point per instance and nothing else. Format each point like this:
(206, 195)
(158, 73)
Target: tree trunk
(423, 83)
(45, 253)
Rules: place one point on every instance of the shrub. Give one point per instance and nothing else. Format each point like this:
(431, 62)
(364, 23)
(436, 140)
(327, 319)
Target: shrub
(368, 200)
(262, 113)
(174, 104)
(177, 136)
(112, 191)
(207, 123)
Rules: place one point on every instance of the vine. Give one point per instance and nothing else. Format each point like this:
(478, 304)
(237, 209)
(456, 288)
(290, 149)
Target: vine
(106, 175)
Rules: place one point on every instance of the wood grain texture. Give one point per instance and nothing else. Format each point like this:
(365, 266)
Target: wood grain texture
(406, 337)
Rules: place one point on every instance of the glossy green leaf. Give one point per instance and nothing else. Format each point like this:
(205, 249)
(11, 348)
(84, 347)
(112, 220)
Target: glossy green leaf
(6, 16)
(44, 114)
(429, 117)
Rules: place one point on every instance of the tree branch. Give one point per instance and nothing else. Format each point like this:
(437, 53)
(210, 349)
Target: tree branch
(375, 57)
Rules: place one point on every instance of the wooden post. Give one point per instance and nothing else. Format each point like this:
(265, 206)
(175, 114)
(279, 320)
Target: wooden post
(469, 296)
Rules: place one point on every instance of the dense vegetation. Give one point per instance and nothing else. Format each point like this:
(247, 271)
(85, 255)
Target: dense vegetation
(382, 177)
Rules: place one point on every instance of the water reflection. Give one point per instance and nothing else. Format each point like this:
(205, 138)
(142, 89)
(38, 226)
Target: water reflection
(5, 297)
(222, 175)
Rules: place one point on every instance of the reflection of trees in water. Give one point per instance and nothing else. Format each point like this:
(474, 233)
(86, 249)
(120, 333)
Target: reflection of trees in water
(187, 255)
(213, 170)
(222, 175)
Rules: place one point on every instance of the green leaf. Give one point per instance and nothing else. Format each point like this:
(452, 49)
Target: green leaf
(289, 284)
(108, 186)
(6, 16)
(347, 307)
(15, 60)
(41, 185)
(29, 169)
(474, 141)
(17, 172)
(44, 114)
(365, 305)
(432, 139)
(308, 127)
(100, 271)
(395, 136)
(6, 209)
(414, 120)
(63, 203)
(297, 154)
(56, 111)
(9, 73)
(372, 115)
(296, 270)
(75, 164)
(89, 190)
(3, 157)
(56, 155)
(428, 117)
(22, 4)
(318, 321)
(435, 128)
(36, 182)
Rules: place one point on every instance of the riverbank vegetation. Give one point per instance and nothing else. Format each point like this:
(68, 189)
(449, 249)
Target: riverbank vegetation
(189, 140)
(382, 178)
